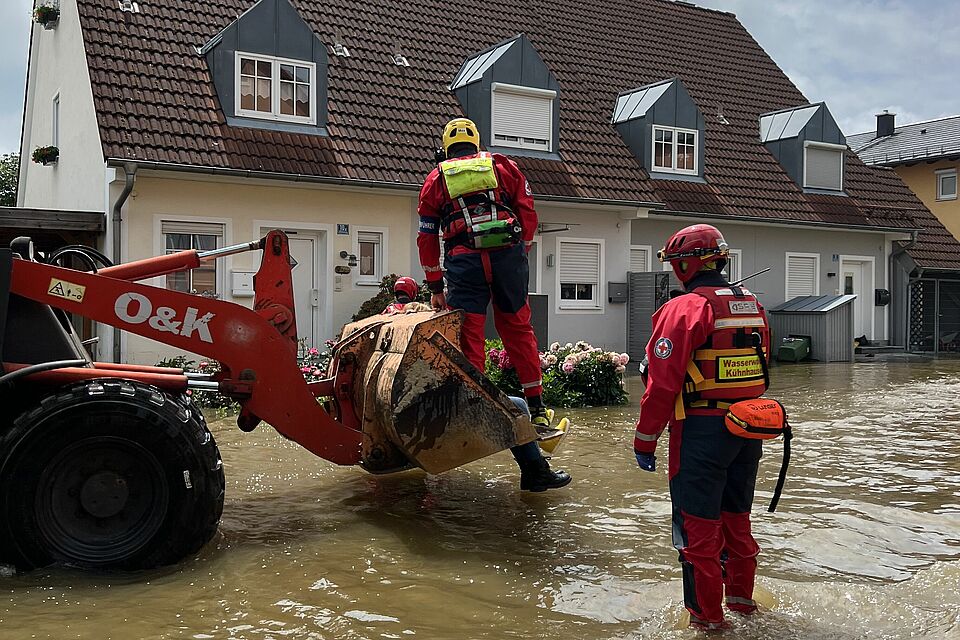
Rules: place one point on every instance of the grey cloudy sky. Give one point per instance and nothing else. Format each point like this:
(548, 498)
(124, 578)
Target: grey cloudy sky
(860, 56)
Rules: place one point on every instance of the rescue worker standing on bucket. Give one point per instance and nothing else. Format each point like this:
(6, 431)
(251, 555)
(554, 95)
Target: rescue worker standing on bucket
(704, 354)
(482, 207)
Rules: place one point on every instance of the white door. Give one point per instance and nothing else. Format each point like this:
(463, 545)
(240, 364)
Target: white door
(305, 249)
(856, 281)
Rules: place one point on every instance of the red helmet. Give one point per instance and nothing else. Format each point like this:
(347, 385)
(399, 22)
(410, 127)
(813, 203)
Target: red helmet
(692, 247)
(407, 286)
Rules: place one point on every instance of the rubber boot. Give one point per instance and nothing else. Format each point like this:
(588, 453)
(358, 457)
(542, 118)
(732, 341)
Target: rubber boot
(541, 419)
(536, 475)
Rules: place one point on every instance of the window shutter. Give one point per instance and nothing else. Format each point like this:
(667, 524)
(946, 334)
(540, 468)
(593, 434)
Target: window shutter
(580, 263)
(519, 115)
(802, 278)
(639, 260)
(824, 169)
(368, 236)
(192, 228)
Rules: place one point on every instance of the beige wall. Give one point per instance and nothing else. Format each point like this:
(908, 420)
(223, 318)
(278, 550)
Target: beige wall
(922, 180)
(242, 207)
(58, 65)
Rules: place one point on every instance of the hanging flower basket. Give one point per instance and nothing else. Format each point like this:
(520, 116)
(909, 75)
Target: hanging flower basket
(47, 16)
(46, 155)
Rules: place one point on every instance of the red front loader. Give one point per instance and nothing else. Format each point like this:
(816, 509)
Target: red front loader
(111, 466)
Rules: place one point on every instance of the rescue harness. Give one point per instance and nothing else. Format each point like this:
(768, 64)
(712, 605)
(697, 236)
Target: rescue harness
(479, 215)
(729, 372)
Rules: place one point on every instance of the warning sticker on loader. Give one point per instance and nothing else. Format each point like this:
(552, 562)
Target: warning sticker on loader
(66, 290)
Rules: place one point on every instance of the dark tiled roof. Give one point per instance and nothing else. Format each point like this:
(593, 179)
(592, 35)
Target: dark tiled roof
(156, 102)
(910, 143)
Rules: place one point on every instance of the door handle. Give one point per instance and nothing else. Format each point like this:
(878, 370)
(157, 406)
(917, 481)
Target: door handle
(314, 297)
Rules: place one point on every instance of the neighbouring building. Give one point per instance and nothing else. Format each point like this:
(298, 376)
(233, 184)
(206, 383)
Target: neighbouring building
(203, 123)
(926, 156)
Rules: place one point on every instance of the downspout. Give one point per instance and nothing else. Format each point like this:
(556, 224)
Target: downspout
(914, 234)
(130, 177)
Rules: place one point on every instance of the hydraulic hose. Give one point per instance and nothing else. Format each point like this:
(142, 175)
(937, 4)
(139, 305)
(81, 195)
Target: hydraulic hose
(37, 368)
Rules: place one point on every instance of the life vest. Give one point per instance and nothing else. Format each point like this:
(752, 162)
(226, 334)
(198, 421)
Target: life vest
(478, 216)
(728, 366)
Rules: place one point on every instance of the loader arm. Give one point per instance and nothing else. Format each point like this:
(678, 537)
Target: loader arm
(256, 348)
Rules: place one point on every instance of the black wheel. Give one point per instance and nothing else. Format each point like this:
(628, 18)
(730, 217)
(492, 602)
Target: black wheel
(108, 474)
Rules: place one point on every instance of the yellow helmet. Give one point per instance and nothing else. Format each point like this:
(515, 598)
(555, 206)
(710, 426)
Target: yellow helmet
(460, 130)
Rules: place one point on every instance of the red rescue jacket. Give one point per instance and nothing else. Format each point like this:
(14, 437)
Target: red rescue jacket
(702, 352)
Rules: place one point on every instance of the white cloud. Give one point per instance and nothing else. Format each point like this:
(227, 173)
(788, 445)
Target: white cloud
(862, 56)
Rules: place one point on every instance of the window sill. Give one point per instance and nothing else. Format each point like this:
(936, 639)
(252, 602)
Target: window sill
(584, 310)
(947, 199)
(368, 283)
(660, 174)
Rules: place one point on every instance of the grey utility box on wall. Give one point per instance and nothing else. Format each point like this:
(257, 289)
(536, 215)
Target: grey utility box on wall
(617, 292)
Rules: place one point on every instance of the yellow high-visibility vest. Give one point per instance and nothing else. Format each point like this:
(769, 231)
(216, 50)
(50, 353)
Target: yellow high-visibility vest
(464, 176)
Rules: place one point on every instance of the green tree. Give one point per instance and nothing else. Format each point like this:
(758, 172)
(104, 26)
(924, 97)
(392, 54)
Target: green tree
(9, 178)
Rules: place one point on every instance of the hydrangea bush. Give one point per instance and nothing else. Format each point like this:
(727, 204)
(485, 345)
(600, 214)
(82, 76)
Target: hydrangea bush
(574, 375)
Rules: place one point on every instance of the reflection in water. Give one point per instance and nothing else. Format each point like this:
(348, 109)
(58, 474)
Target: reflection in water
(865, 544)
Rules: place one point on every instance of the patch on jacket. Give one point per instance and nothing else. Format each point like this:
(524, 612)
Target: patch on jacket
(663, 348)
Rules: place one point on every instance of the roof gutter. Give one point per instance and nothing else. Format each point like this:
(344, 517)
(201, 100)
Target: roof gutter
(130, 177)
(348, 182)
(798, 223)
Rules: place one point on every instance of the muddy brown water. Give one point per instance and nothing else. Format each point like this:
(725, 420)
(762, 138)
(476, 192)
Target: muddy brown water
(866, 543)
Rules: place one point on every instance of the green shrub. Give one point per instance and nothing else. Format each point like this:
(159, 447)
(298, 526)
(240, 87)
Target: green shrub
(574, 375)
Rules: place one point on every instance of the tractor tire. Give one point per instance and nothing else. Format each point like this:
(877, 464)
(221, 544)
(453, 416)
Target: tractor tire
(108, 474)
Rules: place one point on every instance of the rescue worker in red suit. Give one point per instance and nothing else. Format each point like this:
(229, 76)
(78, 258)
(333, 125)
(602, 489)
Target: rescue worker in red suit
(481, 207)
(705, 353)
(405, 291)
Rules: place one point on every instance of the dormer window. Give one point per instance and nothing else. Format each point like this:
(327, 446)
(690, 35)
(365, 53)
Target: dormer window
(664, 129)
(521, 117)
(809, 146)
(275, 88)
(513, 97)
(674, 150)
(268, 82)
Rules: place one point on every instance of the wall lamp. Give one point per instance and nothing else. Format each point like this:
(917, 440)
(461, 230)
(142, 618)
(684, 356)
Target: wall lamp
(349, 257)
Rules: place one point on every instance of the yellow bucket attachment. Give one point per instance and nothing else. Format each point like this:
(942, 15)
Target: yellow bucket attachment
(420, 402)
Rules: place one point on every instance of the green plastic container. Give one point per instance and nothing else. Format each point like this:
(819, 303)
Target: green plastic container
(793, 349)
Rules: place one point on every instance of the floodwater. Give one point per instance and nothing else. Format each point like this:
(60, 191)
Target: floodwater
(865, 544)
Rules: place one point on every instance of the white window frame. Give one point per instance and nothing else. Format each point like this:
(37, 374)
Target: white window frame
(370, 281)
(536, 268)
(947, 173)
(828, 147)
(644, 247)
(224, 264)
(547, 94)
(582, 306)
(55, 120)
(673, 157)
(738, 254)
(275, 114)
(816, 271)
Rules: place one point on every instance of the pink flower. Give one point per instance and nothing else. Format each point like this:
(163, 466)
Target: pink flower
(317, 373)
(203, 364)
(567, 367)
(493, 354)
(621, 368)
(305, 369)
(551, 359)
(313, 351)
(329, 343)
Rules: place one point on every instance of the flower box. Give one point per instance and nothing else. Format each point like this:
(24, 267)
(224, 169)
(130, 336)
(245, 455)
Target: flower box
(46, 155)
(47, 16)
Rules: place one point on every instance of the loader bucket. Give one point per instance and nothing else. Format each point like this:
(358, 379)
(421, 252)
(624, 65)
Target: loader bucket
(420, 402)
